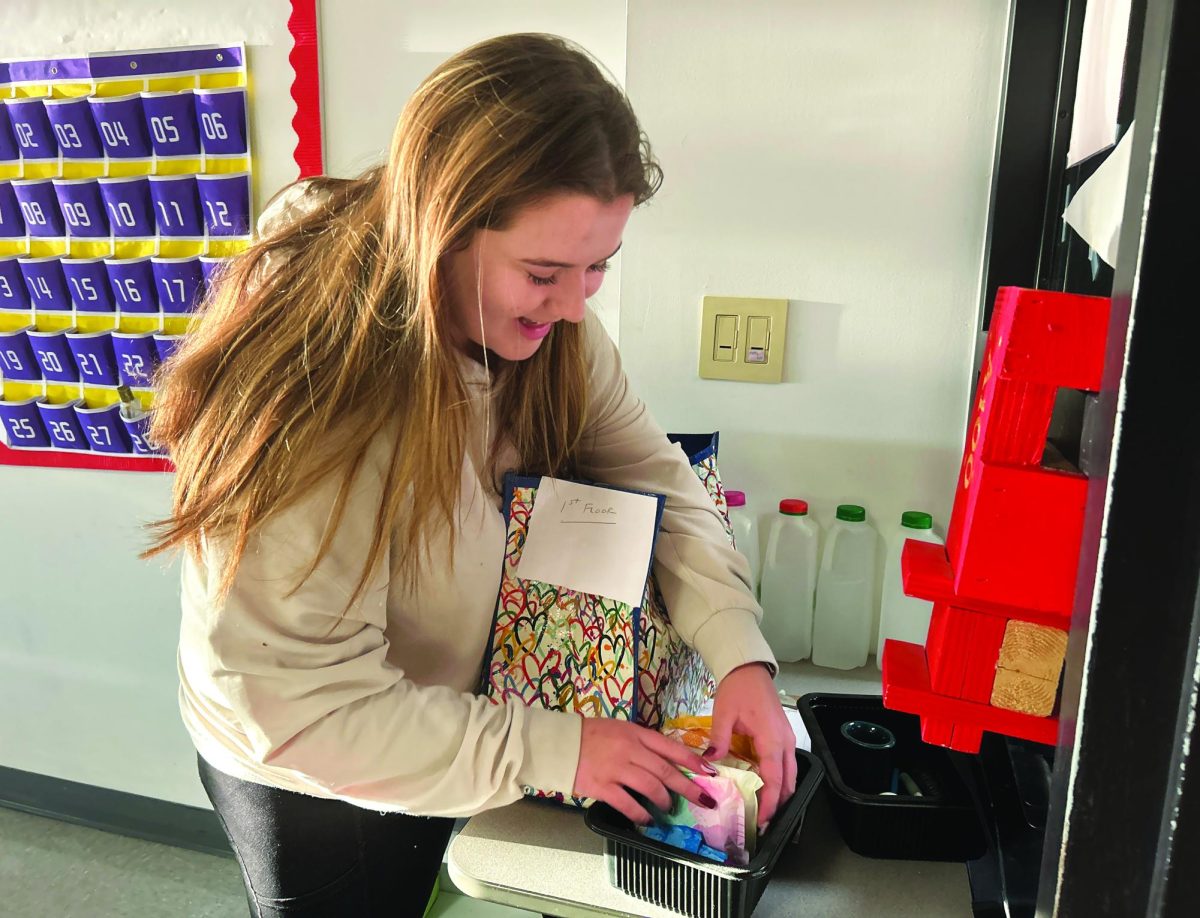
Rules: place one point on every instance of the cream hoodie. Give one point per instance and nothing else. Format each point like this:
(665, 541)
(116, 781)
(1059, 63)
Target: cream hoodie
(379, 707)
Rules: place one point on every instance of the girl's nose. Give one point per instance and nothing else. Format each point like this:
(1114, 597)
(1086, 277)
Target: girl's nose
(571, 300)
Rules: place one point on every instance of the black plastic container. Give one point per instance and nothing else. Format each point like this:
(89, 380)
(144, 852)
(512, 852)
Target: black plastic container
(692, 885)
(942, 825)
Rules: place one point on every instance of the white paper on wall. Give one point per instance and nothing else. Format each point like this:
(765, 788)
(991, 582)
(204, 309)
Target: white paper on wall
(1096, 210)
(1098, 86)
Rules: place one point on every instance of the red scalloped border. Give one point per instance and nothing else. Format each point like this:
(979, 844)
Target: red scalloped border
(306, 87)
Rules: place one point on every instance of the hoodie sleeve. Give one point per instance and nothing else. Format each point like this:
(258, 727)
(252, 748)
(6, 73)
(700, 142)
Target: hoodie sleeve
(308, 684)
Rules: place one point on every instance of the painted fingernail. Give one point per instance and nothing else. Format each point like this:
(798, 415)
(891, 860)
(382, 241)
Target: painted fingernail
(710, 752)
(710, 769)
(707, 802)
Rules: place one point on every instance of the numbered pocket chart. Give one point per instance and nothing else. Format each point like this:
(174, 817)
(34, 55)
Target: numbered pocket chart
(125, 182)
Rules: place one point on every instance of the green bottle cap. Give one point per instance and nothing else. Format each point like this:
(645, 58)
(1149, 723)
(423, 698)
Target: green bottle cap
(916, 519)
(851, 513)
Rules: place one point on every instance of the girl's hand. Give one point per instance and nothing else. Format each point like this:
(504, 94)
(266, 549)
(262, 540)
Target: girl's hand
(616, 757)
(748, 703)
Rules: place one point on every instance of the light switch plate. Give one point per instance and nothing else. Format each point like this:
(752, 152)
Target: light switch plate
(759, 331)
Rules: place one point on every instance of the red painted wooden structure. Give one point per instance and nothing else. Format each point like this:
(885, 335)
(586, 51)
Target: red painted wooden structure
(1012, 546)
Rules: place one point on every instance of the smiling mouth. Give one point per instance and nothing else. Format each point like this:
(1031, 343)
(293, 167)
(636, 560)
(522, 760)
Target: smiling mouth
(534, 330)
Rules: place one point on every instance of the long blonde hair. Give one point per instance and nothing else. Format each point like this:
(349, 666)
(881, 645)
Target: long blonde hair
(306, 329)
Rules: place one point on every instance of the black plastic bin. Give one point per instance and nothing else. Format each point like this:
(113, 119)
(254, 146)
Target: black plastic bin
(692, 885)
(942, 825)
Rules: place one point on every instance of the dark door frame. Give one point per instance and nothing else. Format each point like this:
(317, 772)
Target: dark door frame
(1122, 834)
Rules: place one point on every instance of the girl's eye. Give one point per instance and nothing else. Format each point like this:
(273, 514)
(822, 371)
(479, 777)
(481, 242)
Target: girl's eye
(541, 281)
(600, 268)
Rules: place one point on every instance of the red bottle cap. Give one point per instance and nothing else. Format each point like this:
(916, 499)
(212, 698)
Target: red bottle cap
(793, 507)
(735, 498)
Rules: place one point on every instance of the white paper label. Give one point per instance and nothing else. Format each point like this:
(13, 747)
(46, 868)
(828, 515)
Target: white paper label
(590, 539)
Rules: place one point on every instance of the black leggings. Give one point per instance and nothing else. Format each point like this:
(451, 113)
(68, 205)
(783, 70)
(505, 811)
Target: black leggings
(310, 857)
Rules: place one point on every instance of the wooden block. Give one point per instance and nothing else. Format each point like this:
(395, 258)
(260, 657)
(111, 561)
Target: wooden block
(1033, 650)
(1015, 691)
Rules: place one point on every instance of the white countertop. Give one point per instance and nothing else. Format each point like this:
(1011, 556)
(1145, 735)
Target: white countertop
(536, 856)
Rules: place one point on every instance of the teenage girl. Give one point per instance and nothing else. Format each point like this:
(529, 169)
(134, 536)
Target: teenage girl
(340, 419)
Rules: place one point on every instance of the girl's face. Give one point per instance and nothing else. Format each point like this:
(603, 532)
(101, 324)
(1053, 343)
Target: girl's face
(538, 271)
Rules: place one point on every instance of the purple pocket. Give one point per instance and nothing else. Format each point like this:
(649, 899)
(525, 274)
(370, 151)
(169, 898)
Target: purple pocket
(53, 354)
(8, 143)
(87, 279)
(226, 200)
(177, 205)
(129, 205)
(74, 129)
(13, 292)
(46, 283)
(211, 266)
(31, 128)
(17, 360)
(12, 221)
(136, 429)
(39, 207)
(132, 281)
(171, 119)
(103, 428)
(82, 207)
(136, 358)
(93, 352)
(166, 345)
(221, 114)
(122, 126)
(180, 284)
(23, 425)
(62, 424)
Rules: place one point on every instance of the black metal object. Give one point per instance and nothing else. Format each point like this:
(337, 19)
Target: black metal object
(1012, 790)
(1043, 56)
(1122, 817)
(113, 811)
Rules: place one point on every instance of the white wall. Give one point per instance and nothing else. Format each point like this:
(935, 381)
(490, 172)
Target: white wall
(837, 155)
(834, 154)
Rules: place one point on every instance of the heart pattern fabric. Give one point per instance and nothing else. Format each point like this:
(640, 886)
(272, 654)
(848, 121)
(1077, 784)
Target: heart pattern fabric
(564, 650)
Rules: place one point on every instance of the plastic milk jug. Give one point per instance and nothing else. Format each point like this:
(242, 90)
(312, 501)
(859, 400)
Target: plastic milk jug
(845, 606)
(904, 618)
(745, 534)
(789, 580)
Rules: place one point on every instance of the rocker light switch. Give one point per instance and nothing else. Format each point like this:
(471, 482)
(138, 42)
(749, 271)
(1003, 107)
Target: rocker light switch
(725, 339)
(742, 339)
(758, 339)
